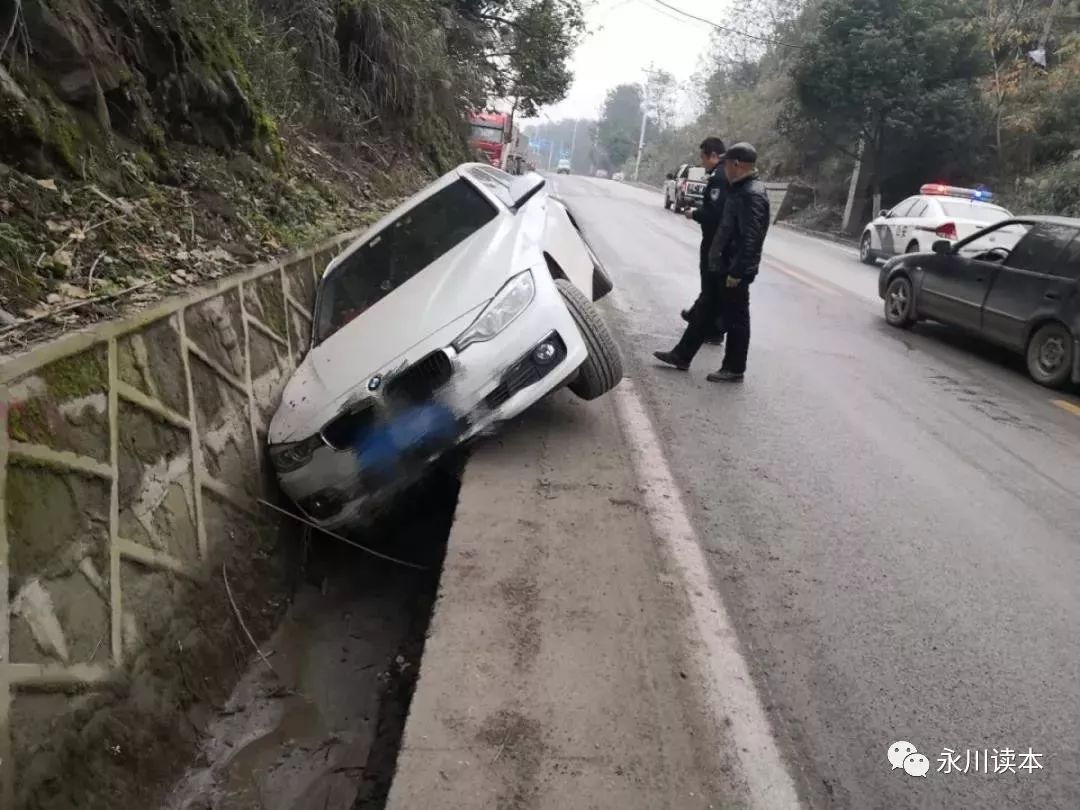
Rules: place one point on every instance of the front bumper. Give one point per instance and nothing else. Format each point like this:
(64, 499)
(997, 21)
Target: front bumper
(491, 382)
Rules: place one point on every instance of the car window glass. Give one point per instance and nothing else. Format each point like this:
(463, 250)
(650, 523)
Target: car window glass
(917, 210)
(1004, 237)
(398, 252)
(497, 182)
(977, 211)
(1068, 263)
(1039, 250)
(902, 209)
(684, 172)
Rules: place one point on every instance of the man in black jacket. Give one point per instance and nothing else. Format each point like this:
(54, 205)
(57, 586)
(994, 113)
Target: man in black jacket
(708, 217)
(734, 257)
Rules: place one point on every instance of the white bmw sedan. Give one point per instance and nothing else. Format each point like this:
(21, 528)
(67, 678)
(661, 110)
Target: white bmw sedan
(461, 308)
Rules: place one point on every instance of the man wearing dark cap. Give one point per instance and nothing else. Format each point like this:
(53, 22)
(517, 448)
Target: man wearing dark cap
(707, 215)
(734, 257)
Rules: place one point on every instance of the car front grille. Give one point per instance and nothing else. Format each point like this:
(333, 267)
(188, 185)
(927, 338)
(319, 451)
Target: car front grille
(420, 381)
(345, 429)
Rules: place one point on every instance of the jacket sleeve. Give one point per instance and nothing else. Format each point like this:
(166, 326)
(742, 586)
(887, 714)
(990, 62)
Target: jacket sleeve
(723, 236)
(752, 217)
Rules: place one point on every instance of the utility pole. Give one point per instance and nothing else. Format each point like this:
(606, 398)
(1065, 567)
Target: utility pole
(573, 143)
(644, 118)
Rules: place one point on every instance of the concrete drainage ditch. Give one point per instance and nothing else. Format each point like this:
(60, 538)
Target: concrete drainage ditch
(322, 728)
(129, 485)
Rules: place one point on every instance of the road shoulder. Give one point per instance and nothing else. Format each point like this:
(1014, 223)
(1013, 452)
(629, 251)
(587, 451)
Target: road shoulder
(557, 670)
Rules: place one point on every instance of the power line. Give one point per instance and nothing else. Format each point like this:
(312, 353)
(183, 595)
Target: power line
(737, 32)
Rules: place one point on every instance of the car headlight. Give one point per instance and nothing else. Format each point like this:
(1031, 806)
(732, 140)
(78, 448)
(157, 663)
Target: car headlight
(509, 302)
(292, 456)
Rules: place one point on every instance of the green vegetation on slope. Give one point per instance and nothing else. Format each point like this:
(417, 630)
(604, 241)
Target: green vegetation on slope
(176, 139)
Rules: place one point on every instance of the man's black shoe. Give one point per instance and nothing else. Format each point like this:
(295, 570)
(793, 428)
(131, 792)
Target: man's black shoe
(672, 359)
(685, 315)
(723, 375)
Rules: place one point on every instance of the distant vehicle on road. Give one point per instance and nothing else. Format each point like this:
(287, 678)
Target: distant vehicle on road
(601, 174)
(1020, 291)
(563, 167)
(936, 212)
(684, 187)
(618, 177)
(461, 308)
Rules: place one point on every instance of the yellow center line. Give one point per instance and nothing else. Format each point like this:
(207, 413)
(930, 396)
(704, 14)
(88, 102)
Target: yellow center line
(1065, 405)
(828, 290)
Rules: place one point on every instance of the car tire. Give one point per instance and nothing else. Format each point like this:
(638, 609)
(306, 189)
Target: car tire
(866, 250)
(913, 247)
(899, 302)
(602, 369)
(678, 205)
(1050, 355)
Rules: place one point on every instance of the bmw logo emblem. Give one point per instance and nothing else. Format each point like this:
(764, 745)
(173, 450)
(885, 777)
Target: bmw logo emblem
(374, 383)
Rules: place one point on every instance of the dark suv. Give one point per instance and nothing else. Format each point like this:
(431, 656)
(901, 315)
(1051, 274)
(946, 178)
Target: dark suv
(1016, 283)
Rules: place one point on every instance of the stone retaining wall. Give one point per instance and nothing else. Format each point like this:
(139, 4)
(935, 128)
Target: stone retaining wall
(128, 453)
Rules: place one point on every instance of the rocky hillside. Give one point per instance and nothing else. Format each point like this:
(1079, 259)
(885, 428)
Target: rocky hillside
(148, 144)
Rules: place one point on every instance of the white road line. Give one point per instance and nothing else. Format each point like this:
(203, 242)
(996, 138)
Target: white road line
(729, 689)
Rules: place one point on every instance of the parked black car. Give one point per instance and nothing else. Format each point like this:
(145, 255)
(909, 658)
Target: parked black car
(1016, 283)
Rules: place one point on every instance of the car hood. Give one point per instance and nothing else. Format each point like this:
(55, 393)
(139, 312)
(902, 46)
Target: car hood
(425, 313)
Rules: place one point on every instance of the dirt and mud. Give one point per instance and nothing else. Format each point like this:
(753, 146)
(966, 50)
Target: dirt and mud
(318, 723)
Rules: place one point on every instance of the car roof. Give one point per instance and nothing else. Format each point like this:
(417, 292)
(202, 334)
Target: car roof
(1049, 220)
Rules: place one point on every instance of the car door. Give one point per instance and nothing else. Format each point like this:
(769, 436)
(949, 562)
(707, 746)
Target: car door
(1037, 280)
(954, 287)
(886, 227)
(903, 227)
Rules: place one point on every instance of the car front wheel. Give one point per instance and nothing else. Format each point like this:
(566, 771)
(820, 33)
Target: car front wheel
(602, 369)
(1050, 355)
(866, 251)
(898, 303)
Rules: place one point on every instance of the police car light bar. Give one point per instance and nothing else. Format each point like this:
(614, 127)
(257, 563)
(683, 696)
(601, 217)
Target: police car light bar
(955, 191)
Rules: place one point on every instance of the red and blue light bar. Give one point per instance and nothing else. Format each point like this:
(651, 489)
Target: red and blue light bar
(942, 190)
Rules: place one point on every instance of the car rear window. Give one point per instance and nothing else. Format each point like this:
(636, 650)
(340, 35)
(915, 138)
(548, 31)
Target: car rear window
(980, 211)
(398, 252)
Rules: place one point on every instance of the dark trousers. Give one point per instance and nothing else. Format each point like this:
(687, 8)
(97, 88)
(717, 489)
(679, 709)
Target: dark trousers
(717, 329)
(731, 305)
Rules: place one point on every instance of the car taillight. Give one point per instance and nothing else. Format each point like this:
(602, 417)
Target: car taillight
(946, 231)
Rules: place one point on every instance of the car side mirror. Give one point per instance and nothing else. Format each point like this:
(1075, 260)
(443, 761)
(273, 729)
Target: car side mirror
(670, 176)
(942, 246)
(524, 187)
(884, 212)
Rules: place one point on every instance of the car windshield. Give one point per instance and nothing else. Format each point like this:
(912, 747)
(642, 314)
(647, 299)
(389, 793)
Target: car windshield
(398, 252)
(487, 134)
(973, 210)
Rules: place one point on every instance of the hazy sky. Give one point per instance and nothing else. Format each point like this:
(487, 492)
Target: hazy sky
(625, 36)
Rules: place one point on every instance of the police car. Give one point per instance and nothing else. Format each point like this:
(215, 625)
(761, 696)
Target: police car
(936, 212)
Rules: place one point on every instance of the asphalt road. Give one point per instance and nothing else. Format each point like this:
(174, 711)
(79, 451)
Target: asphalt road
(892, 519)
